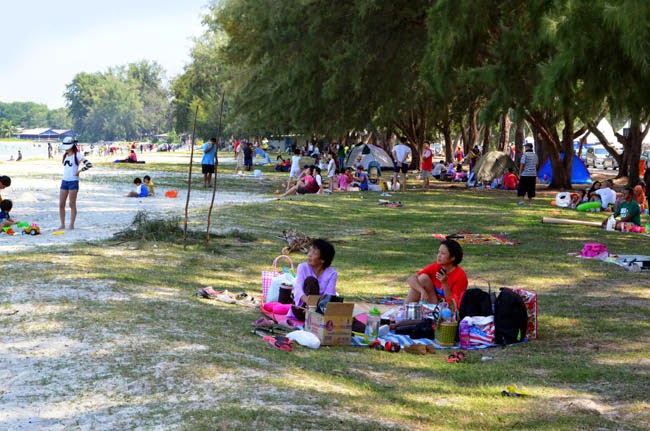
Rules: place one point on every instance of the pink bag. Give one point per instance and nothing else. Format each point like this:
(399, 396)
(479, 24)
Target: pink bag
(593, 249)
(267, 276)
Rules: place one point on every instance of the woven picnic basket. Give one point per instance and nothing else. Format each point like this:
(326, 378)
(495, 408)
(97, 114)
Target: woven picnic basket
(446, 331)
(268, 276)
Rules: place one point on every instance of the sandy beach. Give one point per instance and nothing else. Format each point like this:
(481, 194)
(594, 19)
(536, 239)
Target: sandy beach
(102, 206)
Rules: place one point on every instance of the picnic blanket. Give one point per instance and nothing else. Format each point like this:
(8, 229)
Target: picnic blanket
(405, 340)
(631, 262)
(475, 238)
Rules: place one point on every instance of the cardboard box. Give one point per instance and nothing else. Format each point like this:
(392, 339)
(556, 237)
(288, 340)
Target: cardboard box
(334, 328)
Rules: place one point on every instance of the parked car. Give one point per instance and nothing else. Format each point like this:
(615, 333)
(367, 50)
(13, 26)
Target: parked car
(598, 157)
(583, 154)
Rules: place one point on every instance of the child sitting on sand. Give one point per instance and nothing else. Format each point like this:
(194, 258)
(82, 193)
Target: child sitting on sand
(150, 185)
(5, 207)
(141, 190)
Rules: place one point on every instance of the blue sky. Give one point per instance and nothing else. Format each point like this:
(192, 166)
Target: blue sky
(45, 43)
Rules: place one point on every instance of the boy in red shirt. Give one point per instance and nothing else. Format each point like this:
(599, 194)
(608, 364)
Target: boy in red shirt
(427, 165)
(510, 180)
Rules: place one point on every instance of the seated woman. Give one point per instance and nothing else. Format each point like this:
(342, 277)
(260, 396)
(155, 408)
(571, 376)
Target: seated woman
(306, 184)
(442, 280)
(314, 277)
(591, 193)
(460, 174)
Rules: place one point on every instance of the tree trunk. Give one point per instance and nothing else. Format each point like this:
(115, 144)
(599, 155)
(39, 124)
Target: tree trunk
(632, 142)
(473, 128)
(504, 133)
(544, 127)
(486, 138)
(519, 140)
(444, 127)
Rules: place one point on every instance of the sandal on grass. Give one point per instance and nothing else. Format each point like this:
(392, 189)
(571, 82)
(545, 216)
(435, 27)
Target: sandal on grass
(456, 357)
(416, 349)
(279, 342)
(263, 323)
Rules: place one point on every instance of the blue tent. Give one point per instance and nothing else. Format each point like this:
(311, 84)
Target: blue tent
(579, 172)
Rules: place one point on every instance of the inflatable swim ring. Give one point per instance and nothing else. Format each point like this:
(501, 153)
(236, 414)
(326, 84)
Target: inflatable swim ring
(588, 206)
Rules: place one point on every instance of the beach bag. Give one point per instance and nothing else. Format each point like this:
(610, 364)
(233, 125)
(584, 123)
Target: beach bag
(446, 332)
(268, 276)
(475, 302)
(510, 318)
(281, 281)
(530, 300)
(481, 330)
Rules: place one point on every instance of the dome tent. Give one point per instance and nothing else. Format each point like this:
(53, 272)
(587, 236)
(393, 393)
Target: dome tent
(369, 153)
(579, 172)
(492, 165)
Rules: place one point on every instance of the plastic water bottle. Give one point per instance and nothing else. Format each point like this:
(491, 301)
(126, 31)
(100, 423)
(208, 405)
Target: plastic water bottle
(463, 332)
(372, 324)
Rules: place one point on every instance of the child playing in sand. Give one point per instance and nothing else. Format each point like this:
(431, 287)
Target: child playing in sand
(141, 190)
(150, 185)
(5, 207)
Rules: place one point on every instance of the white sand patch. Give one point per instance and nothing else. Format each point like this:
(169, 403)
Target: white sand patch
(102, 206)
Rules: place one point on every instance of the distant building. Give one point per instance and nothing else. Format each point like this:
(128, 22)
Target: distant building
(43, 134)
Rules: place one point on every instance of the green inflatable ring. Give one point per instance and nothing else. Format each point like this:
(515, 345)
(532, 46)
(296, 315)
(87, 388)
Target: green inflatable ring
(587, 206)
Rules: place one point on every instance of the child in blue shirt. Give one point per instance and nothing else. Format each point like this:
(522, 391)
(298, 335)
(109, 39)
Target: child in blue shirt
(5, 207)
(141, 190)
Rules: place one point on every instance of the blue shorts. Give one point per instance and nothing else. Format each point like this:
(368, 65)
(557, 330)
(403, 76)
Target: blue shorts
(69, 185)
(404, 169)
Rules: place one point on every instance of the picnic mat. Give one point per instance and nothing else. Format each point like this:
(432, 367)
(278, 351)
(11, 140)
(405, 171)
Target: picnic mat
(475, 238)
(405, 340)
(631, 262)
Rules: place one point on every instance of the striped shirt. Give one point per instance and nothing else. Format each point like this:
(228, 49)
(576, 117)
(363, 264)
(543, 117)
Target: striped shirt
(529, 162)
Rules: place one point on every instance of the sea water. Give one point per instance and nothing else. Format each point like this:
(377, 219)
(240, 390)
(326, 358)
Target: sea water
(29, 149)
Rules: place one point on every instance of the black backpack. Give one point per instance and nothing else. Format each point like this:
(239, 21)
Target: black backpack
(510, 317)
(475, 302)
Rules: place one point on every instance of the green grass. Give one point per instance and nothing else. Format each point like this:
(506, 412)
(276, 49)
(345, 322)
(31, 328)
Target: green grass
(139, 338)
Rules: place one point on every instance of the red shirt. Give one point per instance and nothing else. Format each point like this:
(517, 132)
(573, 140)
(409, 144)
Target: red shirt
(456, 279)
(510, 181)
(427, 160)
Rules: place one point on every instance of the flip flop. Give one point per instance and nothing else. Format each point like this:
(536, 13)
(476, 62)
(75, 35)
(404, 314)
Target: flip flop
(279, 342)
(456, 357)
(262, 322)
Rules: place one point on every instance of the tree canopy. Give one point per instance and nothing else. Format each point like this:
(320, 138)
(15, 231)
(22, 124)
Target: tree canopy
(125, 102)
(423, 67)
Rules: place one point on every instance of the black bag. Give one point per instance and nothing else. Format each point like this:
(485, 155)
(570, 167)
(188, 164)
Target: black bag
(510, 317)
(475, 302)
(416, 329)
(326, 299)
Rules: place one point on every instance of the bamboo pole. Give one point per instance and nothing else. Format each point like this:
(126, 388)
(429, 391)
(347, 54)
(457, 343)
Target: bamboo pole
(216, 171)
(550, 220)
(189, 178)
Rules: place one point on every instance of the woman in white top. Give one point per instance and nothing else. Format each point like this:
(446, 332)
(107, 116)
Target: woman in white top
(70, 183)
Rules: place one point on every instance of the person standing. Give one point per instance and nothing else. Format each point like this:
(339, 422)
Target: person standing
(427, 165)
(207, 162)
(70, 182)
(401, 153)
(474, 156)
(248, 156)
(528, 174)
(49, 150)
